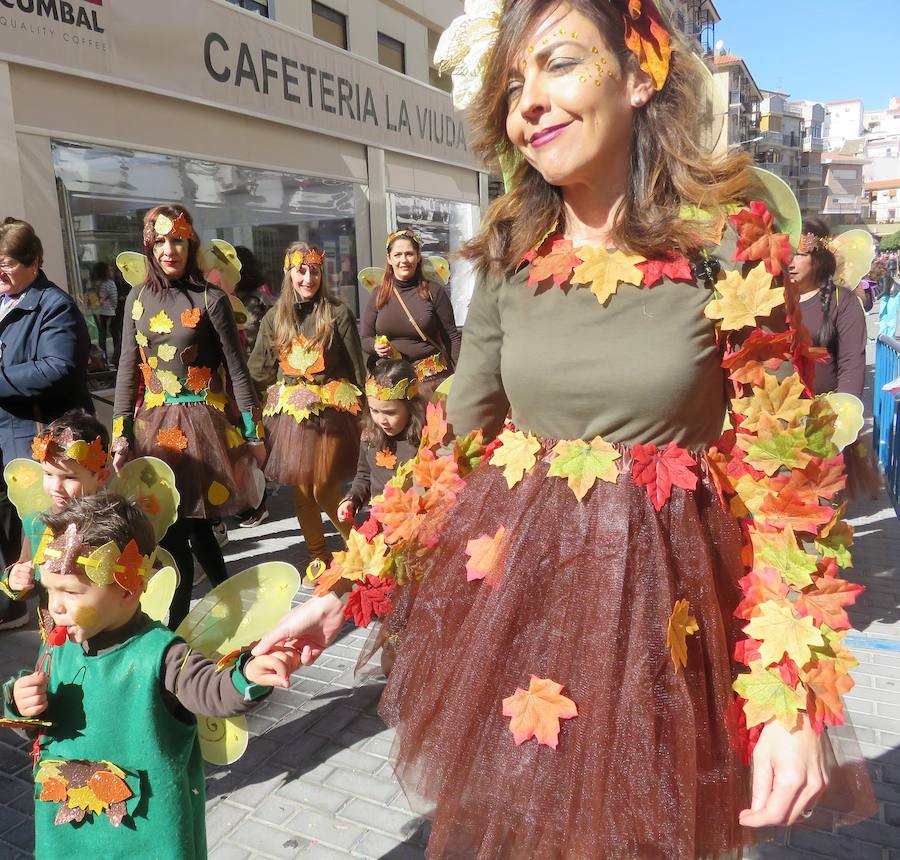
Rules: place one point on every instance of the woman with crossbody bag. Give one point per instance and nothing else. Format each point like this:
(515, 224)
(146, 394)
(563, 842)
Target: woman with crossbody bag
(410, 318)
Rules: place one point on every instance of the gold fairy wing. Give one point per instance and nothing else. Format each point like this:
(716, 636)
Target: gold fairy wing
(220, 264)
(853, 252)
(782, 203)
(370, 278)
(133, 267)
(437, 270)
(239, 309)
(849, 411)
(157, 597)
(232, 616)
(25, 483)
(151, 483)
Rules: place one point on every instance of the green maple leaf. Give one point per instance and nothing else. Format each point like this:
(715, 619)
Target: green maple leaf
(782, 551)
(837, 546)
(774, 446)
(582, 463)
(819, 429)
(768, 697)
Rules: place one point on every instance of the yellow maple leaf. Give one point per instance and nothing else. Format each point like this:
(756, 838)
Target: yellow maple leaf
(582, 463)
(169, 381)
(216, 399)
(362, 558)
(785, 400)
(604, 271)
(141, 338)
(161, 323)
(84, 798)
(516, 455)
(780, 631)
(166, 351)
(154, 398)
(752, 493)
(744, 299)
(137, 310)
(768, 697)
(681, 625)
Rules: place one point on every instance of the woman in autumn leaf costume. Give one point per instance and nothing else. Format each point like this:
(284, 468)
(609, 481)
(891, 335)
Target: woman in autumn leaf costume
(179, 345)
(572, 680)
(307, 358)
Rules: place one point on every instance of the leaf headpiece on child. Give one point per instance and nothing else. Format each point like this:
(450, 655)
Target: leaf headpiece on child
(405, 389)
(62, 445)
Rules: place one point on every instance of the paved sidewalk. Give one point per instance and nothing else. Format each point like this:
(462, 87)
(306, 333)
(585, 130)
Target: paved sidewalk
(316, 781)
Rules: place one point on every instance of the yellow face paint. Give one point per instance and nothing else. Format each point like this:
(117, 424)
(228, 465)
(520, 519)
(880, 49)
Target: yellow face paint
(85, 617)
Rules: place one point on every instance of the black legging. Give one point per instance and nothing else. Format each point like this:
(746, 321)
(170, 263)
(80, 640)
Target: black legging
(185, 539)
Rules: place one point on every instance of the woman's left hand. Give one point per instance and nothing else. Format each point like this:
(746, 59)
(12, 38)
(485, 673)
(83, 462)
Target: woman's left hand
(788, 774)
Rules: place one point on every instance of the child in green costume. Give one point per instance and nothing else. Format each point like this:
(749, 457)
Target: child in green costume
(119, 770)
(73, 454)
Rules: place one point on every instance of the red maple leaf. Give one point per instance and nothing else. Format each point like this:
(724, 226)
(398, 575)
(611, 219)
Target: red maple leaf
(756, 241)
(824, 602)
(760, 352)
(369, 528)
(789, 672)
(795, 507)
(746, 651)
(558, 263)
(368, 599)
(659, 471)
(399, 513)
(674, 266)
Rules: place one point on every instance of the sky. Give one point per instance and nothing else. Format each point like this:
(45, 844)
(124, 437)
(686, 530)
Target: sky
(823, 50)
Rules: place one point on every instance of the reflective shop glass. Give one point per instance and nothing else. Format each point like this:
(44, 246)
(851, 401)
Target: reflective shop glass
(105, 192)
(443, 227)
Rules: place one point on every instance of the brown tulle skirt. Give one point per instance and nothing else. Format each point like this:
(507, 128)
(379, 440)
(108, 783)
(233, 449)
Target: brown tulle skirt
(650, 767)
(207, 464)
(319, 451)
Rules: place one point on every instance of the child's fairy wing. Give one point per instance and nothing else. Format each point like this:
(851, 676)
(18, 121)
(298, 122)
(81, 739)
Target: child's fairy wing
(436, 270)
(370, 278)
(151, 483)
(25, 483)
(133, 267)
(157, 597)
(220, 264)
(233, 616)
(854, 251)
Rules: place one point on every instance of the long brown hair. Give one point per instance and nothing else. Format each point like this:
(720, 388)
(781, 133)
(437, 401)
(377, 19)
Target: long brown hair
(668, 167)
(823, 266)
(386, 288)
(156, 279)
(286, 328)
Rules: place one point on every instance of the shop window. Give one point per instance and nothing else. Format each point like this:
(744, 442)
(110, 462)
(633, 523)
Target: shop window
(105, 193)
(261, 7)
(443, 227)
(391, 53)
(329, 26)
(442, 82)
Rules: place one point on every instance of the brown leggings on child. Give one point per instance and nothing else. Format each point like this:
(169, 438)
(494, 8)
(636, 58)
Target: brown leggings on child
(310, 502)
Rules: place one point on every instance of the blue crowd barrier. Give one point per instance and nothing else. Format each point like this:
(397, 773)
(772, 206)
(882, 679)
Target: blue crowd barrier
(886, 433)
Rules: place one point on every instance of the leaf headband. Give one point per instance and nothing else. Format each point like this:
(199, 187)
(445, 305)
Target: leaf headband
(466, 45)
(809, 242)
(179, 228)
(103, 565)
(402, 234)
(405, 389)
(296, 259)
(62, 445)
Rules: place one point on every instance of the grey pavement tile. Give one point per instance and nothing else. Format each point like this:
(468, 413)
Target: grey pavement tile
(254, 788)
(316, 826)
(324, 797)
(834, 845)
(374, 816)
(361, 785)
(228, 851)
(377, 846)
(263, 837)
(222, 819)
(275, 809)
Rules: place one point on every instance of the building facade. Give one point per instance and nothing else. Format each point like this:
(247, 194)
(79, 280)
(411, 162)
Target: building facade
(271, 120)
(845, 192)
(843, 122)
(812, 179)
(781, 138)
(736, 100)
(883, 197)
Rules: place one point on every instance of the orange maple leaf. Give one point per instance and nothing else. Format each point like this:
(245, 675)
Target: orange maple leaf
(795, 508)
(108, 787)
(39, 447)
(172, 439)
(190, 319)
(681, 625)
(327, 580)
(399, 513)
(127, 569)
(386, 459)
(198, 378)
(558, 263)
(756, 241)
(439, 474)
(435, 425)
(487, 555)
(54, 789)
(827, 476)
(825, 686)
(536, 712)
(95, 458)
(760, 352)
(825, 601)
(759, 586)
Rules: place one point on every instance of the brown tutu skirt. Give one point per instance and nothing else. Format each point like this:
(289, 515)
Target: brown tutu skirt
(213, 479)
(319, 451)
(650, 767)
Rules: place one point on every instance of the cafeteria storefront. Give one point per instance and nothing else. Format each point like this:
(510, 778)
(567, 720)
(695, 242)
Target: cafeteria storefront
(108, 107)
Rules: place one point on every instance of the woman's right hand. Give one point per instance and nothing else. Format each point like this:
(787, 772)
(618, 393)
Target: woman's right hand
(345, 511)
(383, 350)
(307, 628)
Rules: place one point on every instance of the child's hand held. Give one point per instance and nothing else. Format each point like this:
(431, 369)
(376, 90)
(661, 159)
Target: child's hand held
(273, 669)
(30, 694)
